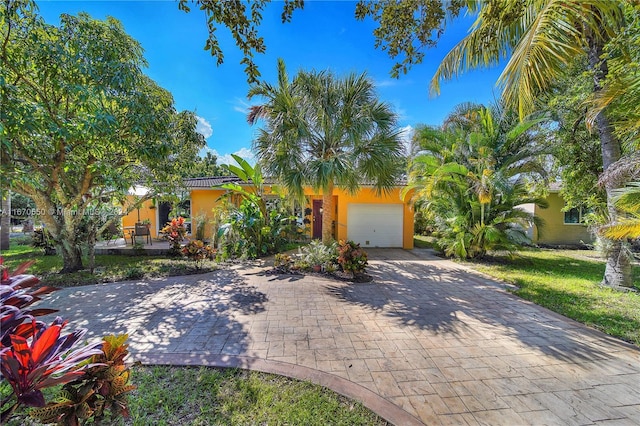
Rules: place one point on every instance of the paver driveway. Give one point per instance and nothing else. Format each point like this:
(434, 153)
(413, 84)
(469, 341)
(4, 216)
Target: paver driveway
(426, 341)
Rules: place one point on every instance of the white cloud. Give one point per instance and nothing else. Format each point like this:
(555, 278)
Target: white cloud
(392, 82)
(401, 113)
(243, 153)
(386, 83)
(406, 134)
(204, 127)
(241, 106)
(227, 158)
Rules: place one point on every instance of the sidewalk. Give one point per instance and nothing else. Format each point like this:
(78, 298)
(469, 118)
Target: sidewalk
(426, 341)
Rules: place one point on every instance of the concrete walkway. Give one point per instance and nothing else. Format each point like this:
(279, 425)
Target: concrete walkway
(425, 342)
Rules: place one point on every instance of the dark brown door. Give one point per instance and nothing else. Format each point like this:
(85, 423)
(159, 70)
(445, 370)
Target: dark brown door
(164, 208)
(317, 218)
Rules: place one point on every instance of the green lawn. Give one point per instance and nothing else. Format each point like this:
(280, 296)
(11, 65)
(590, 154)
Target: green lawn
(567, 282)
(204, 396)
(422, 241)
(109, 267)
(207, 396)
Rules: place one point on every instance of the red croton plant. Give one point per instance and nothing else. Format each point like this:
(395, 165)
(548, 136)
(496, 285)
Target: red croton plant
(35, 355)
(174, 232)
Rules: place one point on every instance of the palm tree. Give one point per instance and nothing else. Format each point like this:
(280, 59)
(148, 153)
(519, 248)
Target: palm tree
(5, 222)
(326, 132)
(471, 173)
(541, 37)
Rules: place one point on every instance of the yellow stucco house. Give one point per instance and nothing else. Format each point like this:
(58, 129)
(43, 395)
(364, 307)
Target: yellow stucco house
(560, 227)
(373, 220)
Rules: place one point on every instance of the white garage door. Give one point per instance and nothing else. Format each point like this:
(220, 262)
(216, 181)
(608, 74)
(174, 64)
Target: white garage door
(375, 225)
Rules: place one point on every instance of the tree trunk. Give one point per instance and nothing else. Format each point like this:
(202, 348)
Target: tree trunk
(92, 245)
(71, 258)
(5, 222)
(327, 215)
(68, 245)
(618, 268)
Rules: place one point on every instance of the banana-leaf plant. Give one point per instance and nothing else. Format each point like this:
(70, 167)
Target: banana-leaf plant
(253, 229)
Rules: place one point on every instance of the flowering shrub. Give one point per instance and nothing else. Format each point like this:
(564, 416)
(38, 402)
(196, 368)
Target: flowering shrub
(198, 252)
(352, 257)
(175, 233)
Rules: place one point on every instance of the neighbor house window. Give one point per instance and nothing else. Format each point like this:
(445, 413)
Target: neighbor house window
(575, 215)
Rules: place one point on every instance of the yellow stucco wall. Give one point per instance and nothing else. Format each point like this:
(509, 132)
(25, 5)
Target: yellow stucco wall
(146, 212)
(203, 201)
(555, 231)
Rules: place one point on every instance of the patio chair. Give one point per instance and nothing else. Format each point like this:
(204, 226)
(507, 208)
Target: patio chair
(113, 233)
(142, 230)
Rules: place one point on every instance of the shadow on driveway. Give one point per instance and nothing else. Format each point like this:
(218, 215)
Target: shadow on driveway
(176, 314)
(435, 295)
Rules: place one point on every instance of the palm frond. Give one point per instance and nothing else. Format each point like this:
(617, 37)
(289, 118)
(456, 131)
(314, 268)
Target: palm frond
(625, 229)
(539, 40)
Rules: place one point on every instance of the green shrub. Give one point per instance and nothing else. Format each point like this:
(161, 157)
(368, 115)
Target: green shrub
(198, 252)
(42, 238)
(352, 257)
(133, 273)
(318, 254)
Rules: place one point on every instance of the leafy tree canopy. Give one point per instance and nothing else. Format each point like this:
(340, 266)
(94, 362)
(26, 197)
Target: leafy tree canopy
(242, 19)
(577, 158)
(405, 28)
(81, 123)
(203, 167)
(622, 87)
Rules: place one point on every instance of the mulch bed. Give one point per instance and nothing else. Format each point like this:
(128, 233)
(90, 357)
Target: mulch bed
(337, 275)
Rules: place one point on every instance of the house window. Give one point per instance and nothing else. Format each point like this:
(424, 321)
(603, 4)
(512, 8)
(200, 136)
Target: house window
(575, 216)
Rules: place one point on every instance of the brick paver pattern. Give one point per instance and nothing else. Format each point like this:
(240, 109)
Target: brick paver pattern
(446, 345)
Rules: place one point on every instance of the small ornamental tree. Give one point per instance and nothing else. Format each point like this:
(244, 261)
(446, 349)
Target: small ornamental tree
(81, 123)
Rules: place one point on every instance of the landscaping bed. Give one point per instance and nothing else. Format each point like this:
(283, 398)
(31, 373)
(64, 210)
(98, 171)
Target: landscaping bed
(335, 275)
(108, 267)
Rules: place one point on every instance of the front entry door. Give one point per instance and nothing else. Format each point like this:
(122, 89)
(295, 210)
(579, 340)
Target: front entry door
(164, 208)
(317, 219)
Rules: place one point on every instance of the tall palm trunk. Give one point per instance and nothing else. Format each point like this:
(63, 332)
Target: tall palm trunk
(327, 215)
(618, 268)
(5, 222)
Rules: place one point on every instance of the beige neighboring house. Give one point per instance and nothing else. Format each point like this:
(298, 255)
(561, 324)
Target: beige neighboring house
(560, 227)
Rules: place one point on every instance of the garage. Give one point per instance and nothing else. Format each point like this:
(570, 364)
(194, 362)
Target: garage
(375, 225)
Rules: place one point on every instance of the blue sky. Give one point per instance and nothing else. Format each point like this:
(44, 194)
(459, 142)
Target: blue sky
(324, 35)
